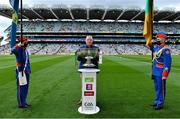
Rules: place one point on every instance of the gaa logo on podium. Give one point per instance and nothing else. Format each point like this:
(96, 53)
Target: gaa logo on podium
(88, 106)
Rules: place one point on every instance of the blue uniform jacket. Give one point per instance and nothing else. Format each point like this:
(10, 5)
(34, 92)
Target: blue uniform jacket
(161, 61)
(22, 63)
(83, 60)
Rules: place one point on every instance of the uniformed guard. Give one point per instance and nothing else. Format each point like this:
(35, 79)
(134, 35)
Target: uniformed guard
(22, 71)
(161, 68)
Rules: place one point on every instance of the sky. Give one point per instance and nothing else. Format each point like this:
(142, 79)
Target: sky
(160, 4)
(123, 3)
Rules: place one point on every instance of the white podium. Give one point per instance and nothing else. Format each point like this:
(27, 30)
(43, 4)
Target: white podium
(88, 91)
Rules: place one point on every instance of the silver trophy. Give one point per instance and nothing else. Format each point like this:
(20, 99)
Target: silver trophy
(88, 54)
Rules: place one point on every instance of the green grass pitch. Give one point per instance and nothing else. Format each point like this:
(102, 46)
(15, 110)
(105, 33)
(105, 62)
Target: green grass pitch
(124, 88)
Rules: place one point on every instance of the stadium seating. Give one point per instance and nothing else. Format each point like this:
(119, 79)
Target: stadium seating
(107, 49)
(79, 26)
(123, 27)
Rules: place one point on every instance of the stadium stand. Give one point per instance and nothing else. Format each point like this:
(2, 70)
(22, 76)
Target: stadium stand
(62, 30)
(107, 49)
(114, 27)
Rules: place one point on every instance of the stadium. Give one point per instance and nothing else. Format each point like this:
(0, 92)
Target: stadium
(124, 85)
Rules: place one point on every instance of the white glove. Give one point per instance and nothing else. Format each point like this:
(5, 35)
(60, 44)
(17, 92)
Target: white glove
(20, 44)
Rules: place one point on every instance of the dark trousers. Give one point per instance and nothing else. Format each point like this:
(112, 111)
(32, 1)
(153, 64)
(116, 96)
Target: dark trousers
(160, 89)
(21, 91)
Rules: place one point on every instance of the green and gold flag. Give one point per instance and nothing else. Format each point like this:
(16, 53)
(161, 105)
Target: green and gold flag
(148, 22)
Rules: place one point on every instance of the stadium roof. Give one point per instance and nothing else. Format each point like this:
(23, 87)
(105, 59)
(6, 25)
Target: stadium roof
(79, 12)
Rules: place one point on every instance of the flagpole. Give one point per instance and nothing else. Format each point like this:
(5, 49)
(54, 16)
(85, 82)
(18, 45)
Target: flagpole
(21, 36)
(152, 19)
(21, 22)
(152, 16)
